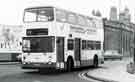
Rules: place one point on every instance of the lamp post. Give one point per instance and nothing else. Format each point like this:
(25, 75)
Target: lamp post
(134, 46)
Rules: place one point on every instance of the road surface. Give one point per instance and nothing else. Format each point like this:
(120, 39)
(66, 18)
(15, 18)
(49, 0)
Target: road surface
(13, 73)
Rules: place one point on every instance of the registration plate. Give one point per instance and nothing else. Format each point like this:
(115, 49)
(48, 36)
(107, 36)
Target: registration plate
(36, 64)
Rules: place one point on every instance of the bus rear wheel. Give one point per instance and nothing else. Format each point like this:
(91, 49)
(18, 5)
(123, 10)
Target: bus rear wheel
(95, 62)
(69, 64)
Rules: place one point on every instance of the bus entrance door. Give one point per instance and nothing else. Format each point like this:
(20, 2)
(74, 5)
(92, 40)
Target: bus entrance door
(77, 51)
(60, 49)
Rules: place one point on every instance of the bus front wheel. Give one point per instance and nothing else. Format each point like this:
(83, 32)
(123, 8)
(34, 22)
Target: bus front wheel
(69, 66)
(95, 62)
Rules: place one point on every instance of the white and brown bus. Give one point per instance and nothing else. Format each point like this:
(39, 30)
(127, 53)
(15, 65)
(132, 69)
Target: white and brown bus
(57, 38)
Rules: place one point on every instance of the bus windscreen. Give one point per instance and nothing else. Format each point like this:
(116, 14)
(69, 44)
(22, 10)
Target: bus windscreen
(38, 44)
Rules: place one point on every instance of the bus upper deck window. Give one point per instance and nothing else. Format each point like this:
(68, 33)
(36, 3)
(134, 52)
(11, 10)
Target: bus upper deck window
(39, 14)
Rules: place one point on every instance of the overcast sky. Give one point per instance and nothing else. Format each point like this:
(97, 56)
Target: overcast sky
(12, 10)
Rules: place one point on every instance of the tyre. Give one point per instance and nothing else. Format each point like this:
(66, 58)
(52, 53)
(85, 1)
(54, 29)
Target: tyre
(69, 65)
(41, 70)
(120, 58)
(95, 62)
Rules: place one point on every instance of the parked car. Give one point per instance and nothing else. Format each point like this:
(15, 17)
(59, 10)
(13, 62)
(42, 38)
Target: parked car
(19, 57)
(112, 54)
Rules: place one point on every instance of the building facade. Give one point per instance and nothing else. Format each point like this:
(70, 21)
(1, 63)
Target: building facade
(113, 14)
(125, 16)
(10, 42)
(118, 36)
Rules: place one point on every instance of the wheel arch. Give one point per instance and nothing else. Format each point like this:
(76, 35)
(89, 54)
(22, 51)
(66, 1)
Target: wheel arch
(70, 57)
(69, 66)
(95, 61)
(95, 56)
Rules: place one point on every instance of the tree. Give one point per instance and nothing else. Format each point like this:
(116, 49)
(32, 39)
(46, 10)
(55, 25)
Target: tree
(93, 12)
(6, 32)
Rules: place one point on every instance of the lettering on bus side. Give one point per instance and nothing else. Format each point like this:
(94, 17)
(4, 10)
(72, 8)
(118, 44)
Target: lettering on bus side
(91, 31)
(82, 30)
(77, 29)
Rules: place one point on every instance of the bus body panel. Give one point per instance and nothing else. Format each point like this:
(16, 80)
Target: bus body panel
(64, 31)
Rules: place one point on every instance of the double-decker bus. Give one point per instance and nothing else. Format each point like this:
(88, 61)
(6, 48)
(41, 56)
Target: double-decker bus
(60, 39)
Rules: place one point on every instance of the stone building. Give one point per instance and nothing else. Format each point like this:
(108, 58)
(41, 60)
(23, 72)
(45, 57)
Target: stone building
(118, 36)
(10, 42)
(125, 16)
(113, 13)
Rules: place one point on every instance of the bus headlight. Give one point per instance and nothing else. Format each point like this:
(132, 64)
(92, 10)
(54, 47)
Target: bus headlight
(60, 65)
(26, 44)
(57, 64)
(49, 62)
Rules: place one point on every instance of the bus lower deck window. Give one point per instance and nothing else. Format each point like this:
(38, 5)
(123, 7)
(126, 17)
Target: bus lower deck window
(70, 44)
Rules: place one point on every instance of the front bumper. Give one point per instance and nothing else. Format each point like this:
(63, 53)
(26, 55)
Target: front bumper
(38, 65)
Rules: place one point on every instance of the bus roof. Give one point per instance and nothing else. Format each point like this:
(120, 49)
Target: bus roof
(39, 7)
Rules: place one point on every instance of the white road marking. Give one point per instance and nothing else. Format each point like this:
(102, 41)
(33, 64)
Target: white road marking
(82, 76)
(37, 81)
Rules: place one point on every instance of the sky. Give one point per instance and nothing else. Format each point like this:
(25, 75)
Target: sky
(12, 10)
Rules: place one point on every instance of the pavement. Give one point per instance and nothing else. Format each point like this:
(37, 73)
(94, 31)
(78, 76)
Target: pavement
(110, 71)
(9, 63)
(113, 71)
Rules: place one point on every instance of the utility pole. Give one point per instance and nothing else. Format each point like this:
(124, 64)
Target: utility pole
(119, 9)
(134, 47)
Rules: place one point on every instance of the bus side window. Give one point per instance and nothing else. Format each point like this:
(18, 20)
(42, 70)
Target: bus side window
(98, 45)
(84, 45)
(57, 41)
(90, 45)
(70, 45)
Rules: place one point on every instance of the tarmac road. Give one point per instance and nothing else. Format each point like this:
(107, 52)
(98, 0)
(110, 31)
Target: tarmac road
(13, 73)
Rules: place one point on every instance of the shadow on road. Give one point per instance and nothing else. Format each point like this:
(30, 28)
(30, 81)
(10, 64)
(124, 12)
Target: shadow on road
(48, 75)
(58, 72)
